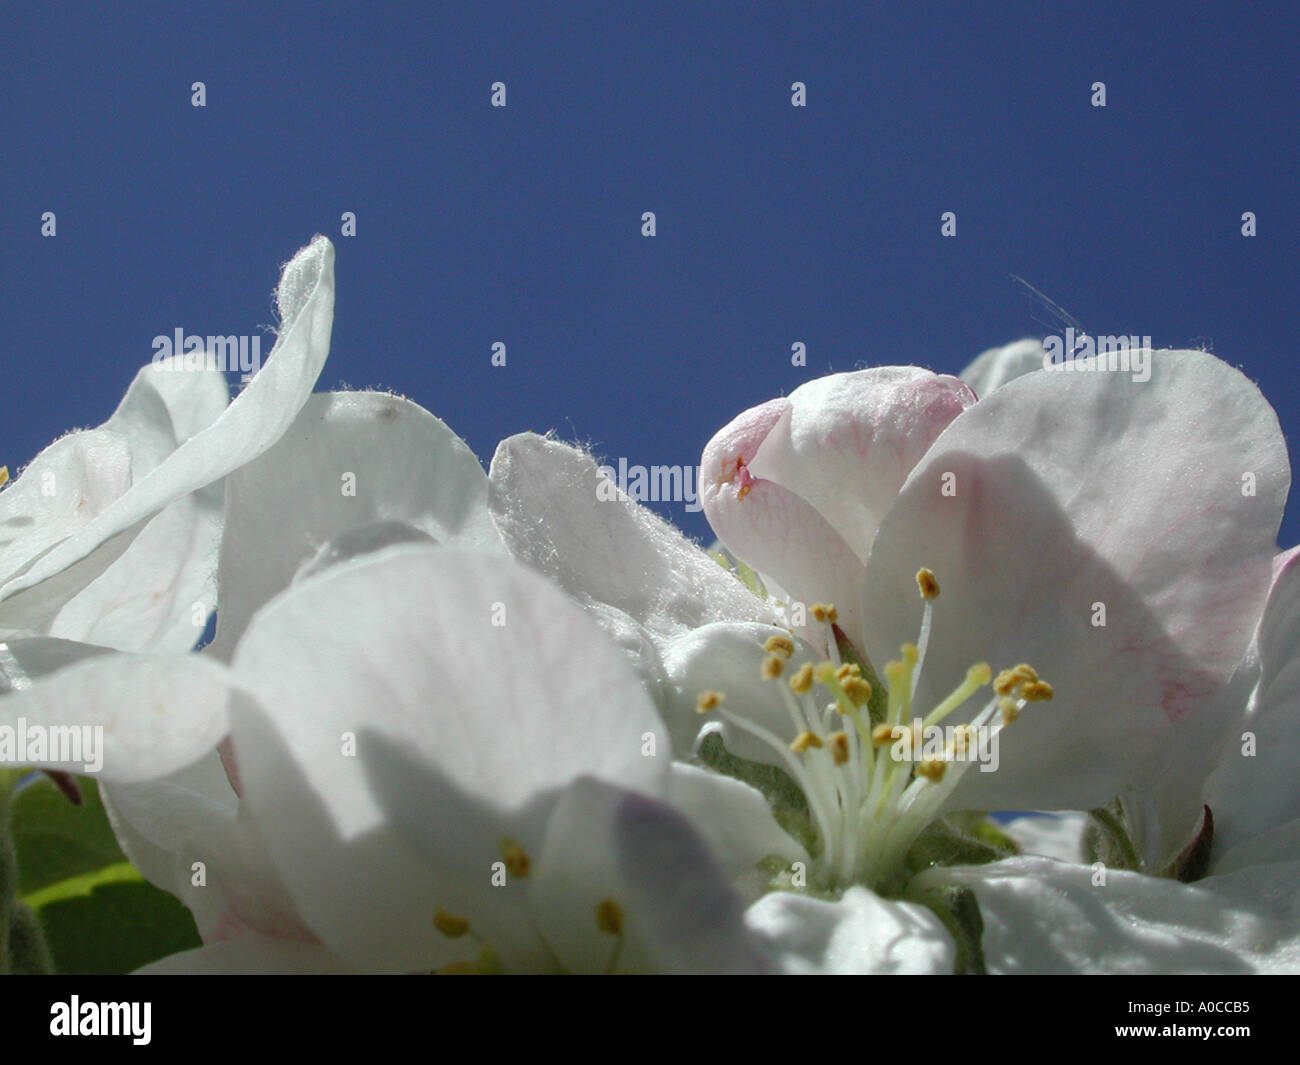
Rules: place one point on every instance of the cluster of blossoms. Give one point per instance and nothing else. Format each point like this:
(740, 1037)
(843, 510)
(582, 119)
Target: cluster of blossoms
(457, 721)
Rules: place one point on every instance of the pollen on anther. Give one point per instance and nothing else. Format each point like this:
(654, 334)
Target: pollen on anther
(825, 612)
(449, 924)
(4, 476)
(932, 769)
(779, 645)
(707, 701)
(858, 690)
(516, 858)
(928, 583)
(773, 667)
(883, 734)
(1037, 691)
(839, 746)
(802, 681)
(805, 740)
(609, 917)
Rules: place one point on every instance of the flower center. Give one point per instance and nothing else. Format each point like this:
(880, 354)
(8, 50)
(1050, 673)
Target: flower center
(874, 782)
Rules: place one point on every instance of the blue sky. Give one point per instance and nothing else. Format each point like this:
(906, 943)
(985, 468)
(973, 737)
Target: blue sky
(775, 224)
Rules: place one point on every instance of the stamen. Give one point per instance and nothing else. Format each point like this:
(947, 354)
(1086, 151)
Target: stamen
(449, 924)
(779, 645)
(516, 858)
(4, 476)
(932, 769)
(928, 583)
(839, 745)
(609, 917)
(802, 681)
(707, 701)
(773, 667)
(825, 612)
(804, 741)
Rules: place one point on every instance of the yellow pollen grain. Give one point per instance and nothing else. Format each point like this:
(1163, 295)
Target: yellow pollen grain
(839, 745)
(932, 769)
(804, 741)
(779, 645)
(928, 583)
(707, 701)
(449, 924)
(857, 690)
(825, 612)
(802, 681)
(516, 858)
(609, 917)
(773, 667)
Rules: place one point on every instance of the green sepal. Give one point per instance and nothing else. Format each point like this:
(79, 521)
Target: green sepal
(959, 910)
(783, 795)
(1107, 839)
(966, 838)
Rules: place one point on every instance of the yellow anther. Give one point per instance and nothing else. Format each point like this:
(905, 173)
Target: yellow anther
(932, 769)
(449, 924)
(779, 645)
(609, 917)
(707, 701)
(857, 690)
(839, 746)
(802, 681)
(1037, 691)
(824, 672)
(773, 667)
(928, 583)
(1010, 709)
(744, 490)
(805, 740)
(459, 968)
(516, 858)
(4, 476)
(825, 612)
(883, 734)
(847, 670)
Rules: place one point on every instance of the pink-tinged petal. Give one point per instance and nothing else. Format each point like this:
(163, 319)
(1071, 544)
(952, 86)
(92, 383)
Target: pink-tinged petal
(1178, 482)
(1095, 488)
(1256, 787)
(995, 367)
(1017, 585)
(771, 528)
(846, 443)
(559, 514)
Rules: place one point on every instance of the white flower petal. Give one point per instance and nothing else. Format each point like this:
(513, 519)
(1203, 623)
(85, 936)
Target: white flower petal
(252, 955)
(351, 460)
(1042, 916)
(613, 551)
(465, 730)
(996, 366)
(861, 933)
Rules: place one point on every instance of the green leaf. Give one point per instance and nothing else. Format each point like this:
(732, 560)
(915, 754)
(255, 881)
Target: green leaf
(967, 838)
(959, 910)
(116, 928)
(56, 840)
